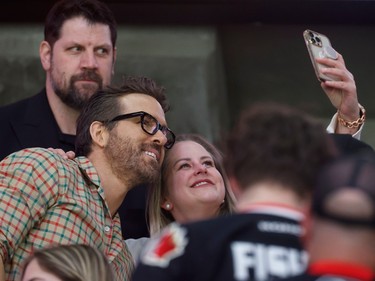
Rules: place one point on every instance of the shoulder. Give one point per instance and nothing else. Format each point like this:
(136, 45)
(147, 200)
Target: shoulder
(38, 171)
(192, 234)
(176, 243)
(15, 110)
(20, 104)
(136, 246)
(347, 144)
(166, 246)
(32, 158)
(221, 224)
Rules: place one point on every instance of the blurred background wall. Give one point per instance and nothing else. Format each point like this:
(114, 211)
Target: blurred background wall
(213, 56)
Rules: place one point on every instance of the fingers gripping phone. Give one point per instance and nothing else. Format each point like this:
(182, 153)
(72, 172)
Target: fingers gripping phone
(319, 46)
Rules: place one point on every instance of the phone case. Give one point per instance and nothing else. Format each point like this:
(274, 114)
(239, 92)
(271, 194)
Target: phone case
(319, 46)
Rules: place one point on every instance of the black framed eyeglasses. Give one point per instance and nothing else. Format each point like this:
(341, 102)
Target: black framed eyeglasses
(150, 125)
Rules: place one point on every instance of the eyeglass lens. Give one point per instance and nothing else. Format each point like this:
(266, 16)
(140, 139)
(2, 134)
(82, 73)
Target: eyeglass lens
(151, 126)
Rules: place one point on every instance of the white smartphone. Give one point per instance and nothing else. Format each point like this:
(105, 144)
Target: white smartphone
(319, 46)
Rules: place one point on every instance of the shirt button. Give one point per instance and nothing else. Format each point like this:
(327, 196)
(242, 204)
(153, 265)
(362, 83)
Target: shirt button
(107, 228)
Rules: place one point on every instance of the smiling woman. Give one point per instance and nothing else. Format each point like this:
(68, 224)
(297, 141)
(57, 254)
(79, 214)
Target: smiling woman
(214, 11)
(194, 185)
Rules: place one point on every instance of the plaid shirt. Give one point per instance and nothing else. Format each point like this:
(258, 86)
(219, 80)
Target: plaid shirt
(45, 200)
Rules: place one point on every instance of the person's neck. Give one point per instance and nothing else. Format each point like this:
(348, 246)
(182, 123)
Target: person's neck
(114, 188)
(346, 244)
(270, 193)
(201, 211)
(65, 116)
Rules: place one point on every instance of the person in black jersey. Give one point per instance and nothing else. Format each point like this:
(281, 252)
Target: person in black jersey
(272, 158)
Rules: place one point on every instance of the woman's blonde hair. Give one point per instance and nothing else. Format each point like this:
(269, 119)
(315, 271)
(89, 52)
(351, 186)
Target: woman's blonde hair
(158, 217)
(76, 262)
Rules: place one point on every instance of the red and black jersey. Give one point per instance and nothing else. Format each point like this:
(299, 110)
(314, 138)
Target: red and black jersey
(260, 245)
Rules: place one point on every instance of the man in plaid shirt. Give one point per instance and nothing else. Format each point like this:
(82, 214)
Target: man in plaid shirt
(46, 199)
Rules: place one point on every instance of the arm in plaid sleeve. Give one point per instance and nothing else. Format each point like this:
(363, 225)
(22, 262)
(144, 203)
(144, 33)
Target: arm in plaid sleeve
(28, 187)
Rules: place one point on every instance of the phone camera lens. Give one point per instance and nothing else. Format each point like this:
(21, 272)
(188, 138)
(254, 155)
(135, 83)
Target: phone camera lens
(318, 39)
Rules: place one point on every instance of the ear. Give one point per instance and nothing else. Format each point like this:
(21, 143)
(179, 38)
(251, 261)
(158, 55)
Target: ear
(99, 134)
(235, 185)
(168, 206)
(45, 54)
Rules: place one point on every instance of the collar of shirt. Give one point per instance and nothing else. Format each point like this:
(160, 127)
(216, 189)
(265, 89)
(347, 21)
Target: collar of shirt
(88, 169)
(274, 209)
(344, 269)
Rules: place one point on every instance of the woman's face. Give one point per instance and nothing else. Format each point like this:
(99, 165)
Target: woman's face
(35, 272)
(195, 187)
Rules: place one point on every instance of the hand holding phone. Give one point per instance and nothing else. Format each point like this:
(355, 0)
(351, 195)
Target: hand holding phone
(319, 46)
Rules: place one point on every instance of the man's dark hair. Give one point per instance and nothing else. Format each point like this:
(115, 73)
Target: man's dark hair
(274, 143)
(93, 11)
(104, 105)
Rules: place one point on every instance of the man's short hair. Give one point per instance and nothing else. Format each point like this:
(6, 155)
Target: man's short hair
(104, 106)
(276, 143)
(93, 11)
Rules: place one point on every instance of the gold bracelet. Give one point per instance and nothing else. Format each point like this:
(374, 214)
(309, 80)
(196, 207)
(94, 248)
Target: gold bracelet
(356, 123)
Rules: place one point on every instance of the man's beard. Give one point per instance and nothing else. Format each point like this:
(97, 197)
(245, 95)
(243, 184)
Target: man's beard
(129, 164)
(74, 97)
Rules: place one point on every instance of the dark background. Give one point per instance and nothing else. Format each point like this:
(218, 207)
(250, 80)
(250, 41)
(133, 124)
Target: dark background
(213, 11)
